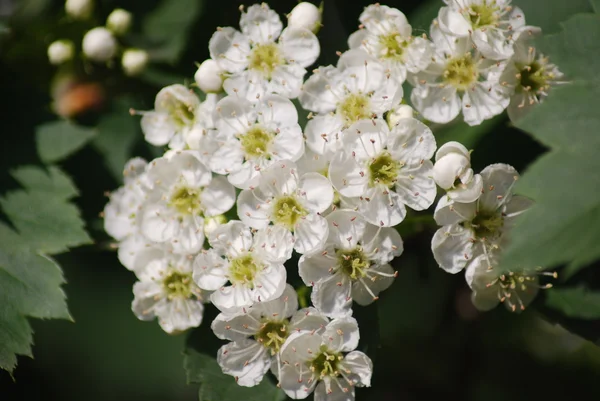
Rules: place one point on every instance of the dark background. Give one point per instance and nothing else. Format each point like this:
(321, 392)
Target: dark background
(432, 343)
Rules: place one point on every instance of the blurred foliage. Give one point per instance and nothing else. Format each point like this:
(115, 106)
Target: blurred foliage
(59, 139)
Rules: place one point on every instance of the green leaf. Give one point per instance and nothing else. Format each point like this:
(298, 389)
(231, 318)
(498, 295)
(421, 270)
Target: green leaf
(216, 386)
(167, 26)
(44, 222)
(59, 139)
(577, 303)
(564, 225)
(116, 136)
(595, 5)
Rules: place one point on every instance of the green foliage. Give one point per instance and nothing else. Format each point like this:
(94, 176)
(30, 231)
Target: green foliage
(216, 386)
(58, 139)
(44, 222)
(577, 303)
(167, 27)
(117, 134)
(564, 226)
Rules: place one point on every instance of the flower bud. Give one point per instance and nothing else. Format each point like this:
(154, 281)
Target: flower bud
(60, 51)
(79, 9)
(399, 113)
(305, 15)
(119, 21)
(134, 61)
(212, 223)
(208, 77)
(99, 44)
(452, 172)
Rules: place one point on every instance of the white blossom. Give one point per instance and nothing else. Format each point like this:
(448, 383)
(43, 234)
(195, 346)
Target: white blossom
(305, 15)
(452, 171)
(284, 198)
(166, 291)
(209, 77)
(119, 21)
(60, 51)
(458, 79)
(384, 170)
(262, 59)
(480, 227)
(353, 265)
(325, 363)
(359, 88)
(386, 34)
(134, 61)
(488, 23)
(515, 289)
(79, 9)
(252, 136)
(99, 44)
(183, 192)
(398, 113)
(251, 262)
(528, 75)
(257, 333)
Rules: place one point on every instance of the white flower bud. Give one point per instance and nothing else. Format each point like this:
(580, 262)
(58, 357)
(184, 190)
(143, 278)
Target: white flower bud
(134, 61)
(79, 9)
(305, 15)
(209, 77)
(60, 51)
(119, 21)
(99, 44)
(452, 172)
(212, 223)
(399, 113)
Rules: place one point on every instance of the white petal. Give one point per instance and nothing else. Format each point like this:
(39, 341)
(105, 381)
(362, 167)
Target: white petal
(189, 239)
(316, 190)
(278, 109)
(452, 22)
(387, 242)
(452, 248)
(236, 327)
(231, 238)
(335, 393)
(374, 282)
(146, 295)
(324, 134)
(158, 223)
(274, 243)
(269, 283)
(342, 334)
(288, 144)
(158, 128)
(246, 176)
(230, 49)
(246, 360)
(179, 315)
(308, 319)
(227, 298)
(452, 147)
(332, 296)
(233, 115)
(228, 156)
(281, 308)
(480, 103)
(135, 247)
(417, 54)
(466, 193)
(218, 197)
(418, 189)
(498, 182)
(447, 168)
(347, 175)
(310, 233)
(260, 23)
(437, 104)
(316, 266)
(287, 80)
(361, 367)
(299, 45)
(252, 211)
(356, 38)
(346, 228)
(316, 93)
(411, 141)
(382, 207)
(210, 270)
(448, 211)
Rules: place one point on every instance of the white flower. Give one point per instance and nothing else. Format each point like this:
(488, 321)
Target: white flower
(488, 23)
(79, 9)
(119, 21)
(353, 265)
(528, 75)
(326, 361)
(452, 171)
(480, 227)
(401, 112)
(121, 213)
(252, 263)
(387, 35)
(305, 15)
(99, 44)
(516, 289)
(257, 334)
(60, 51)
(359, 88)
(134, 61)
(252, 136)
(294, 202)
(183, 192)
(200, 136)
(385, 170)
(458, 78)
(259, 60)
(174, 114)
(166, 290)
(209, 77)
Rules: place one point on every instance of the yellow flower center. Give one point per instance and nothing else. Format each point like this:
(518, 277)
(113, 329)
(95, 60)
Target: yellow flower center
(264, 58)
(485, 14)
(383, 170)
(273, 334)
(178, 285)
(461, 72)
(533, 78)
(186, 201)
(392, 46)
(243, 269)
(326, 363)
(256, 141)
(287, 211)
(353, 263)
(355, 107)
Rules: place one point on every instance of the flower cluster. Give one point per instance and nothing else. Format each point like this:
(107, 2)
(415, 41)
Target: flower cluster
(99, 44)
(242, 185)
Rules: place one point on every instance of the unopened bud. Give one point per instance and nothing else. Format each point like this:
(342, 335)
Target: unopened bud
(134, 61)
(99, 44)
(305, 15)
(79, 9)
(60, 51)
(119, 21)
(401, 112)
(209, 77)
(212, 223)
